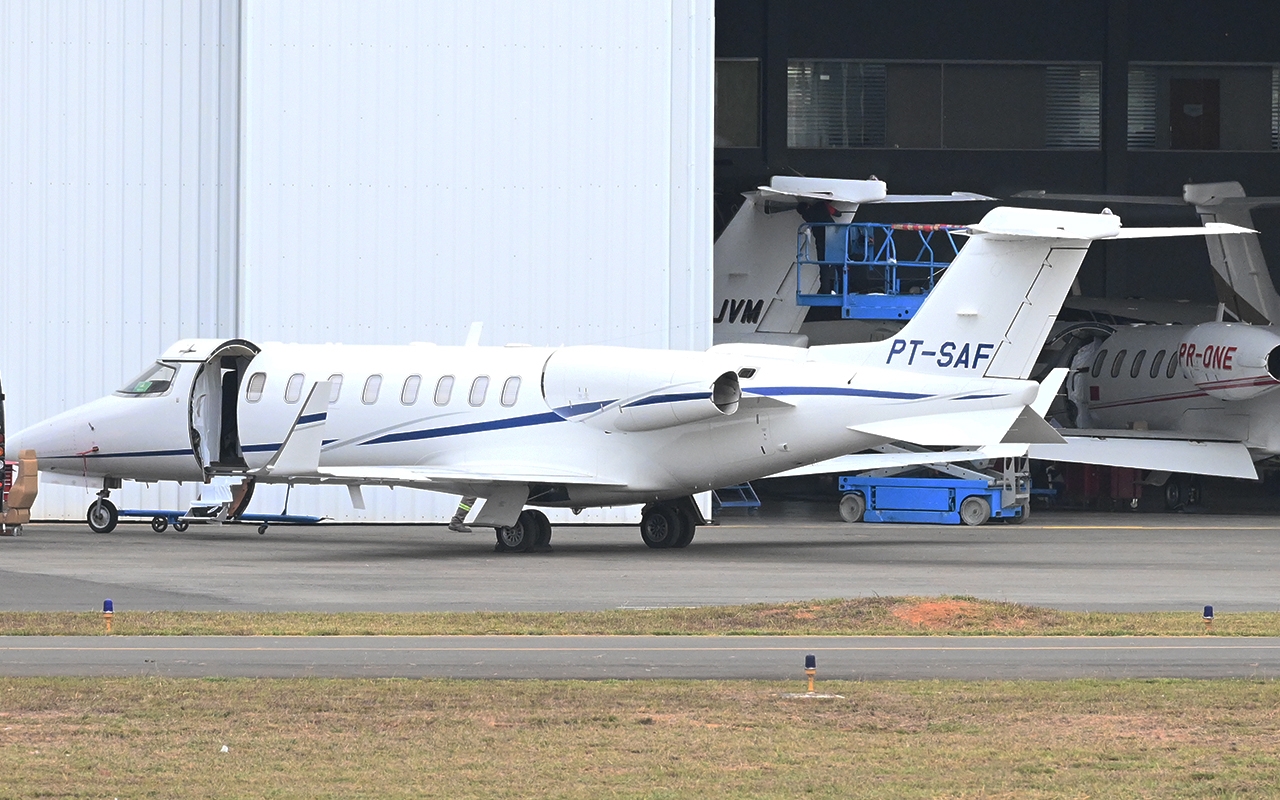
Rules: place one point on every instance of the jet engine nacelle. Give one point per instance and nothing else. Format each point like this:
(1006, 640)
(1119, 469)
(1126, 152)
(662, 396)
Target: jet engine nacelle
(1231, 360)
(629, 390)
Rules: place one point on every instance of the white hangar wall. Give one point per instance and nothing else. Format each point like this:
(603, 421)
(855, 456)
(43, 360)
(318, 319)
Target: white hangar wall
(118, 172)
(397, 171)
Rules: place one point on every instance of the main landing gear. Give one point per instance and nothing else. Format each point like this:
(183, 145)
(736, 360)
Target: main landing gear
(670, 524)
(531, 533)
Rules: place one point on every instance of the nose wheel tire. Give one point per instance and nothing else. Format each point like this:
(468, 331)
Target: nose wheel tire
(181, 526)
(102, 516)
(159, 524)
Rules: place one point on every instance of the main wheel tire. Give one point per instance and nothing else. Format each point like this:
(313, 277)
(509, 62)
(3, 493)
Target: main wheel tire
(159, 524)
(102, 516)
(181, 526)
(537, 522)
(1175, 494)
(687, 529)
(975, 510)
(660, 527)
(852, 507)
(519, 538)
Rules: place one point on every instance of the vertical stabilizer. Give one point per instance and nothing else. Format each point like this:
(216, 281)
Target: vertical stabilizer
(1240, 271)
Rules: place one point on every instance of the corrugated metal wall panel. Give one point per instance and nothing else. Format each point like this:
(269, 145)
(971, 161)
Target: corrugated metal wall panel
(409, 168)
(117, 187)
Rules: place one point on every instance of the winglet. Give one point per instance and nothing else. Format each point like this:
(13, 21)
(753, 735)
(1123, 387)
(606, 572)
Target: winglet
(299, 454)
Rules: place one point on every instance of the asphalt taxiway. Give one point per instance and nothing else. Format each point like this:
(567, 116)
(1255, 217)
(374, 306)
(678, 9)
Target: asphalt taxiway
(641, 657)
(1124, 561)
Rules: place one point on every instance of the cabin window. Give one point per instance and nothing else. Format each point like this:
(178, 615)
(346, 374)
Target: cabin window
(409, 394)
(253, 393)
(156, 379)
(335, 387)
(371, 387)
(444, 390)
(1155, 364)
(293, 389)
(747, 372)
(1137, 364)
(510, 391)
(1173, 366)
(1097, 362)
(1118, 363)
(479, 387)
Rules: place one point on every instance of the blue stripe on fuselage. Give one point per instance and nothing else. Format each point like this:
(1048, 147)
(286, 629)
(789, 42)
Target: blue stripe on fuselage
(472, 427)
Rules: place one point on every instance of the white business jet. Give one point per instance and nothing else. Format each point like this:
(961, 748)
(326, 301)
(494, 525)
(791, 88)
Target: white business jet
(594, 426)
(1181, 400)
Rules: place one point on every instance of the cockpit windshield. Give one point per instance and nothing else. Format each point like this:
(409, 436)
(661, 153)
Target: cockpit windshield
(156, 379)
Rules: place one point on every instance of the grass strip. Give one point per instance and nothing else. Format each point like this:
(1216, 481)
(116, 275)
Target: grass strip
(878, 616)
(159, 737)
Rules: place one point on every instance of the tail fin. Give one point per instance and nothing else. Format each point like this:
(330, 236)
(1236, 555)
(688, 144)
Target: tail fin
(1240, 271)
(992, 309)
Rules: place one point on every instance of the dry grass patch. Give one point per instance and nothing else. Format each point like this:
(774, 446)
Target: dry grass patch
(154, 737)
(883, 616)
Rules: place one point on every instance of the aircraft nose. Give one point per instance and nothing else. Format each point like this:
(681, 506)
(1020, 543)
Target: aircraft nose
(67, 434)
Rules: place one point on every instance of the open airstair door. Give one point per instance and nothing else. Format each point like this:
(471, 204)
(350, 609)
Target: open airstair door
(220, 366)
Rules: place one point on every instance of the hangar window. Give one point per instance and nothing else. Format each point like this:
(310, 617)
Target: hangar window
(737, 102)
(1205, 106)
(944, 105)
(1097, 363)
(1118, 363)
(335, 387)
(510, 390)
(293, 389)
(371, 387)
(409, 394)
(1155, 364)
(253, 391)
(479, 387)
(1137, 364)
(444, 390)
(835, 104)
(156, 379)
(1173, 366)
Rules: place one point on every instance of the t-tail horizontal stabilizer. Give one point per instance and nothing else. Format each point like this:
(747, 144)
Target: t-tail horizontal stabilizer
(299, 454)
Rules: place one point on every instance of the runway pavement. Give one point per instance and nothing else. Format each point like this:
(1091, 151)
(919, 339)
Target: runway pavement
(1063, 560)
(639, 657)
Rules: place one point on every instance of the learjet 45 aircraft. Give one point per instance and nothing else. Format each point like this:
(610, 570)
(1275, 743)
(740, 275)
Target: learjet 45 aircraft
(582, 426)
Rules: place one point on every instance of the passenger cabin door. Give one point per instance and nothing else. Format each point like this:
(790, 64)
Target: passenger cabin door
(212, 417)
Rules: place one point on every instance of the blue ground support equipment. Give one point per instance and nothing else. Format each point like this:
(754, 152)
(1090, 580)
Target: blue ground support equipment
(738, 496)
(873, 278)
(972, 494)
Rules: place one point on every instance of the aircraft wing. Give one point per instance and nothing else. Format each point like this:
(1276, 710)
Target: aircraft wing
(864, 462)
(431, 477)
(1154, 450)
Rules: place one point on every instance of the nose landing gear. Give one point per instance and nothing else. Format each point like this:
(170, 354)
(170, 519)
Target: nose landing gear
(103, 515)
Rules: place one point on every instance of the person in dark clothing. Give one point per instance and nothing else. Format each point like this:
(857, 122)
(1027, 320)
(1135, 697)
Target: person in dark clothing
(818, 212)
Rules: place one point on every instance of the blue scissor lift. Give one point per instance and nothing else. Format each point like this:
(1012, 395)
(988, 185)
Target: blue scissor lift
(880, 271)
(871, 279)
